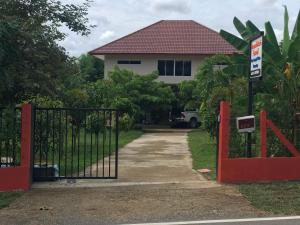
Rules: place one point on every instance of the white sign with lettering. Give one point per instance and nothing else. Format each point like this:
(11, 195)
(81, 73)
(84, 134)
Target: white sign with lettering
(256, 58)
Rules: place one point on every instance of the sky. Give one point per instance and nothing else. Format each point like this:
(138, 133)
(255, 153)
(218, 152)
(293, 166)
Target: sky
(117, 18)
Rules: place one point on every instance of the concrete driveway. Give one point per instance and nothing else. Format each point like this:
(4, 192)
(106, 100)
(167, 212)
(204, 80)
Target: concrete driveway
(157, 183)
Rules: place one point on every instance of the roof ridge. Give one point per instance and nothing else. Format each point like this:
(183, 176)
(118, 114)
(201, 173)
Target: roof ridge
(159, 37)
(205, 26)
(128, 35)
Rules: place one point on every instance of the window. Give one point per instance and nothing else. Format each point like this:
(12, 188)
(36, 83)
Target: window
(161, 68)
(179, 68)
(187, 68)
(183, 68)
(129, 62)
(165, 67)
(169, 68)
(174, 68)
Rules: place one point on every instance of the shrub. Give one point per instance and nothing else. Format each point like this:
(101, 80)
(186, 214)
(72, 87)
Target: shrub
(126, 122)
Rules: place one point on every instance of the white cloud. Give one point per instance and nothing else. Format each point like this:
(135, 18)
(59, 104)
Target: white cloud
(266, 2)
(117, 18)
(107, 35)
(178, 6)
(279, 34)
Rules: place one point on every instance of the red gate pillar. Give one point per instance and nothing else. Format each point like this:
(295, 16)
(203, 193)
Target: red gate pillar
(26, 145)
(19, 177)
(224, 136)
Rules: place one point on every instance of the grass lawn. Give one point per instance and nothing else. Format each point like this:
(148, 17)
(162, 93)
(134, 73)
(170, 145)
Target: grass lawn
(8, 197)
(203, 149)
(277, 197)
(127, 137)
(74, 156)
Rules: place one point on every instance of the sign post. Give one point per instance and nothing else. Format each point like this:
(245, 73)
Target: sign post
(255, 50)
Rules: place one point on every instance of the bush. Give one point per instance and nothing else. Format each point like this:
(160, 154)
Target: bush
(95, 122)
(126, 122)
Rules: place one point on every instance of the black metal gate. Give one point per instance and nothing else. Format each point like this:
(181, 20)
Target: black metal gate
(75, 143)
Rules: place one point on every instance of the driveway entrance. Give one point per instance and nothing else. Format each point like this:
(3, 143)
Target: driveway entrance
(156, 183)
(158, 156)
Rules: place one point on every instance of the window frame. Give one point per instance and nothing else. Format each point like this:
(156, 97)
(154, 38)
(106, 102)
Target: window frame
(175, 61)
(128, 62)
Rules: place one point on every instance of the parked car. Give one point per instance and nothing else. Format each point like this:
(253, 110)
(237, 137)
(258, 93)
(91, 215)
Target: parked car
(188, 118)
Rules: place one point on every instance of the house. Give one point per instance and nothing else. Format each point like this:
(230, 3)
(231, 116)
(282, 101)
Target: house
(174, 48)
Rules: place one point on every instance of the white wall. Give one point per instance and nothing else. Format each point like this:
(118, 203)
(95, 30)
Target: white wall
(149, 64)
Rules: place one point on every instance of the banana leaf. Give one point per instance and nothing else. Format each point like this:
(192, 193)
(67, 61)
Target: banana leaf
(294, 50)
(296, 31)
(241, 28)
(286, 35)
(238, 43)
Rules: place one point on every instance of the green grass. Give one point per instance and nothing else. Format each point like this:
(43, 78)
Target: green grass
(277, 198)
(7, 198)
(203, 149)
(91, 150)
(127, 137)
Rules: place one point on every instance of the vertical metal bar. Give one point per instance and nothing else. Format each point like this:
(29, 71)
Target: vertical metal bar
(104, 140)
(217, 135)
(91, 149)
(14, 138)
(72, 145)
(41, 139)
(78, 148)
(60, 139)
(47, 139)
(84, 155)
(1, 130)
(66, 144)
(109, 144)
(33, 137)
(98, 119)
(117, 145)
(53, 136)
(7, 144)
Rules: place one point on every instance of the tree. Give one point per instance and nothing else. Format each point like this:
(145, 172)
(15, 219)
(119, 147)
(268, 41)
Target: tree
(214, 85)
(188, 95)
(130, 93)
(279, 93)
(91, 67)
(30, 58)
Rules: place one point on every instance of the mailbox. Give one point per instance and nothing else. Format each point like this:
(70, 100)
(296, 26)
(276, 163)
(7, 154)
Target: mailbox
(245, 124)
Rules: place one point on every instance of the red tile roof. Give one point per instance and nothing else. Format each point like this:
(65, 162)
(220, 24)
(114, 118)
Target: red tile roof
(169, 37)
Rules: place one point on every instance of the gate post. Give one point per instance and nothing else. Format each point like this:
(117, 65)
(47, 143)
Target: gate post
(26, 145)
(224, 136)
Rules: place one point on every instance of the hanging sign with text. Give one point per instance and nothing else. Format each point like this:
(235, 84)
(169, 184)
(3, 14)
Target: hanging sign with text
(245, 124)
(256, 58)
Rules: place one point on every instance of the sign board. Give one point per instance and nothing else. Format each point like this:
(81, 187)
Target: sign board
(256, 57)
(245, 124)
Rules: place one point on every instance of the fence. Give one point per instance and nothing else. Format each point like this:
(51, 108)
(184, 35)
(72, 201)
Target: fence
(15, 171)
(75, 143)
(10, 137)
(264, 166)
(52, 143)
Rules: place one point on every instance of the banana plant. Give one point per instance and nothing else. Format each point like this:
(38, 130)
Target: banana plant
(275, 54)
(280, 87)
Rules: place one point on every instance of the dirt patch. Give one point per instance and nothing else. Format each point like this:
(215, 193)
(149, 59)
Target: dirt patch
(156, 183)
(133, 204)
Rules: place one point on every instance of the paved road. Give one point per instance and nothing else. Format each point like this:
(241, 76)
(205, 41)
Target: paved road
(291, 220)
(157, 183)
